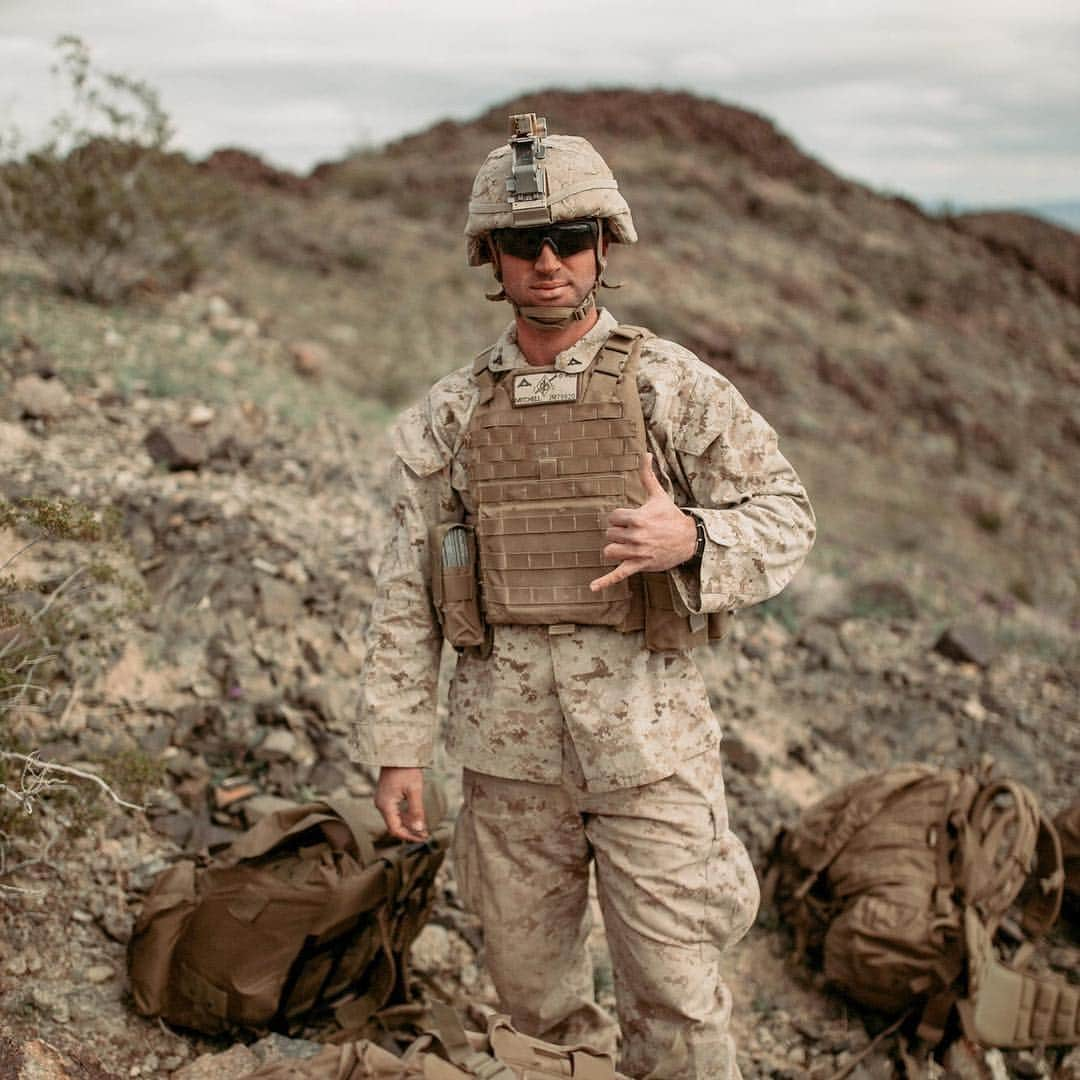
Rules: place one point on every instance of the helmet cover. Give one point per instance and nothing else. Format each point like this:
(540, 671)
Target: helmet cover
(575, 183)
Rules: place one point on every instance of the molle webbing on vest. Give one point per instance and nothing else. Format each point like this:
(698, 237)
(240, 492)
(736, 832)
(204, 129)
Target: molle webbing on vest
(545, 477)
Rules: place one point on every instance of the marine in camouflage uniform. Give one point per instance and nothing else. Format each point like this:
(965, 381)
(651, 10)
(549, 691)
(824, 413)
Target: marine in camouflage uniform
(580, 744)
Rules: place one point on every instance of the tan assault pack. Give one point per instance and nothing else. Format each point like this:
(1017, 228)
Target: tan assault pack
(900, 882)
(449, 1052)
(550, 454)
(314, 907)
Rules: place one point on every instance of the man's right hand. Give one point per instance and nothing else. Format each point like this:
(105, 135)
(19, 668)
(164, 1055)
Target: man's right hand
(399, 797)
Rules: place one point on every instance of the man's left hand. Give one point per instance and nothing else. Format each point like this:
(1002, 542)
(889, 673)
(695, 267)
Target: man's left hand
(652, 537)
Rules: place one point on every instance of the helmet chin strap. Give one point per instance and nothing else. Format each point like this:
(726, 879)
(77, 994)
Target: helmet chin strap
(556, 318)
(553, 318)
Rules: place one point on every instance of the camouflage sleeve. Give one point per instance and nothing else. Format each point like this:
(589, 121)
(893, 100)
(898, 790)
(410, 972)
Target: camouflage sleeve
(758, 520)
(395, 722)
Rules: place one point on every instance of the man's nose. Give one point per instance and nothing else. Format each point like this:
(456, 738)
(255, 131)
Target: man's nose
(548, 259)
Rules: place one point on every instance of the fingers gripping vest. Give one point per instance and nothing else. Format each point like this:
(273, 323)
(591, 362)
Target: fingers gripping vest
(551, 454)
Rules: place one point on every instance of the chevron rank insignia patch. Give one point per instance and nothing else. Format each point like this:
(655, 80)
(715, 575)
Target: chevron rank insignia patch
(545, 388)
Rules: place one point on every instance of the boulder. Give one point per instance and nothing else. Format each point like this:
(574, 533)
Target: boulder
(965, 643)
(41, 399)
(176, 447)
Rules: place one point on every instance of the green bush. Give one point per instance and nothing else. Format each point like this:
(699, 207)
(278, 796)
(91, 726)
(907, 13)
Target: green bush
(102, 202)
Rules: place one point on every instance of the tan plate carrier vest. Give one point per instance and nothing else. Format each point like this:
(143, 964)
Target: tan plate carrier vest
(546, 470)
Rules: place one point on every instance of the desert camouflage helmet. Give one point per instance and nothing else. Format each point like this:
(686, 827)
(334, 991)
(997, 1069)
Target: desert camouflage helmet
(538, 178)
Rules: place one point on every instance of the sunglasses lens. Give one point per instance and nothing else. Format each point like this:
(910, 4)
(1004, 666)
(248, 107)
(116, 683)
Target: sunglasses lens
(567, 237)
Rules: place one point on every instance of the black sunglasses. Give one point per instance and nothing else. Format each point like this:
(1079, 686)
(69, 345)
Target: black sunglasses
(566, 237)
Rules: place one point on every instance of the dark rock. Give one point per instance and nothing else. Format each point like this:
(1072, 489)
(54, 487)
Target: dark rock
(279, 744)
(965, 643)
(155, 739)
(280, 603)
(275, 1047)
(176, 447)
(1025, 1063)
(208, 836)
(178, 826)
(285, 775)
(198, 511)
(311, 655)
(189, 718)
(192, 790)
(753, 650)
(741, 756)
(116, 924)
(62, 751)
(883, 600)
(330, 701)
(143, 874)
(823, 643)
(326, 778)
(808, 1028)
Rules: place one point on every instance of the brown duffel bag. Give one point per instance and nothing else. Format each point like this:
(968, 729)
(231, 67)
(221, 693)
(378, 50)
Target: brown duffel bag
(899, 882)
(314, 907)
(449, 1052)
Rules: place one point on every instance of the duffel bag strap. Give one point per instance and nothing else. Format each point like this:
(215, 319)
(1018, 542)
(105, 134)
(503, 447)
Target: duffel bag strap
(534, 1058)
(460, 1051)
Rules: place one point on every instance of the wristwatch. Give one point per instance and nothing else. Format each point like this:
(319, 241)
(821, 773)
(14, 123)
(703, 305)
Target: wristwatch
(699, 547)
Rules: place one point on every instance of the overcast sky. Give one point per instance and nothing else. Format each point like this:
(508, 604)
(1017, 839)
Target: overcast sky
(971, 102)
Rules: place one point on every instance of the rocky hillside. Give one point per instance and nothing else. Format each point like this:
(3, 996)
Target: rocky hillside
(932, 367)
(924, 380)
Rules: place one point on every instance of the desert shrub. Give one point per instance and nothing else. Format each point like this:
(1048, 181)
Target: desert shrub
(33, 620)
(102, 202)
(38, 621)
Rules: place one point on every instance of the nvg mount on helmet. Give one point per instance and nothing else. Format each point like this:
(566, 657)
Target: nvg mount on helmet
(526, 187)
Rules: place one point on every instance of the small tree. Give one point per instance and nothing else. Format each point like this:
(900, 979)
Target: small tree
(102, 201)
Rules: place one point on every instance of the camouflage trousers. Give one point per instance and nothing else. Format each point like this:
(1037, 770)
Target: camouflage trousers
(676, 887)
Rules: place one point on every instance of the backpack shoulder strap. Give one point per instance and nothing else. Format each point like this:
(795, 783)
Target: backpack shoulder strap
(1002, 847)
(1043, 905)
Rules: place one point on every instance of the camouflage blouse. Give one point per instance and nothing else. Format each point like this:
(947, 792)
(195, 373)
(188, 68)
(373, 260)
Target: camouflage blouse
(633, 715)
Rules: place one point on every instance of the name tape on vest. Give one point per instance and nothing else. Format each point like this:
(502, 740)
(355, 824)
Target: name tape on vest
(545, 389)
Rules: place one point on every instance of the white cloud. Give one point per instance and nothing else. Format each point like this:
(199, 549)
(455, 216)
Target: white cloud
(905, 93)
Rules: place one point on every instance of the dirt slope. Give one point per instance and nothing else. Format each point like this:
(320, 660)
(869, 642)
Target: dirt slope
(925, 385)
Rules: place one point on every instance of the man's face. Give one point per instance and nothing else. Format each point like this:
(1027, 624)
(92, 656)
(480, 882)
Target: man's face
(549, 280)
